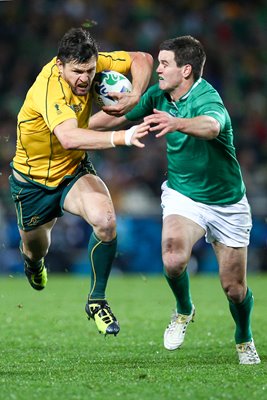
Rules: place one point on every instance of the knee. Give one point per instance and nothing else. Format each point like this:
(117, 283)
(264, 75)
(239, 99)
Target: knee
(235, 291)
(174, 263)
(105, 227)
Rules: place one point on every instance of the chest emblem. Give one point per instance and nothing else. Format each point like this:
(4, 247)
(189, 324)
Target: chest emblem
(58, 111)
(76, 108)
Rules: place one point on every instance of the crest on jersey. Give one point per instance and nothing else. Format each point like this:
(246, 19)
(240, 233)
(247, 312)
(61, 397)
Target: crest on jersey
(58, 111)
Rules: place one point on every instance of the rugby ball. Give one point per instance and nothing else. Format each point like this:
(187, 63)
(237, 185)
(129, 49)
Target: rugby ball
(109, 81)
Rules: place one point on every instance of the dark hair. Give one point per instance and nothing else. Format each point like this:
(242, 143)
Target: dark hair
(77, 45)
(187, 50)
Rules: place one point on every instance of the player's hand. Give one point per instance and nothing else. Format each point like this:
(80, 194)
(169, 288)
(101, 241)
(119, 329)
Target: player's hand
(125, 102)
(140, 131)
(162, 122)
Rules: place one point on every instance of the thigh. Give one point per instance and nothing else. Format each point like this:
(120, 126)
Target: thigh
(175, 203)
(35, 205)
(183, 224)
(90, 199)
(229, 224)
(232, 263)
(180, 234)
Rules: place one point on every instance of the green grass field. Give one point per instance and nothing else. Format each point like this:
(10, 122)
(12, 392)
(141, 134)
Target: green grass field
(50, 351)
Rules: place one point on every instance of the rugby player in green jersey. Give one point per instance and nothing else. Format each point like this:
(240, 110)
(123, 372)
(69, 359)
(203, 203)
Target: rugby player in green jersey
(51, 171)
(204, 194)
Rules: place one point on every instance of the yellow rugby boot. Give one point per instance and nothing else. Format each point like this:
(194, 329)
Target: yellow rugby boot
(105, 320)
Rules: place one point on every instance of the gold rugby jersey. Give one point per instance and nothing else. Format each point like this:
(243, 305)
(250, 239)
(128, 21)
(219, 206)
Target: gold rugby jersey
(50, 101)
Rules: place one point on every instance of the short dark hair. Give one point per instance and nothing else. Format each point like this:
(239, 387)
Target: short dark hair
(77, 45)
(187, 50)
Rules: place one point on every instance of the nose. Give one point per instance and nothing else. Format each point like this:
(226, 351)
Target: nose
(84, 77)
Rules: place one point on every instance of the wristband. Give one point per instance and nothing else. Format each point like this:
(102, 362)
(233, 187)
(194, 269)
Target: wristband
(112, 139)
(129, 134)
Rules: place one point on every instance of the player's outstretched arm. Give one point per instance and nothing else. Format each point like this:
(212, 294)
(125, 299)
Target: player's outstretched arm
(73, 138)
(202, 126)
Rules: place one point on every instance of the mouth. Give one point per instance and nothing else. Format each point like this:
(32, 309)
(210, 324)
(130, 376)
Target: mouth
(83, 88)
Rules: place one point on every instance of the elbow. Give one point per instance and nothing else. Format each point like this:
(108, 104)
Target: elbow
(149, 59)
(144, 55)
(214, 129)
(67, 143)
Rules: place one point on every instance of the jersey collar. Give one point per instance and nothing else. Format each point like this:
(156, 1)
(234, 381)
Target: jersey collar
(185, 96)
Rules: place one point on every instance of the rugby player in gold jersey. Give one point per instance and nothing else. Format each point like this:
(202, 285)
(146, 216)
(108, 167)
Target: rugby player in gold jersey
(51, 171)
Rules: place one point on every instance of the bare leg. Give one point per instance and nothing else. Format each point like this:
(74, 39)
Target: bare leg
(178, 237)
(35, 243)
(232, 269)
(90, 199)
(179, 234)
(34, 247)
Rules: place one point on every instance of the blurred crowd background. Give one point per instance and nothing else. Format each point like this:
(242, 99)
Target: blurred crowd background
(234, 35)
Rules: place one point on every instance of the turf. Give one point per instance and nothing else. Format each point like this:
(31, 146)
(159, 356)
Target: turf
(49, 350)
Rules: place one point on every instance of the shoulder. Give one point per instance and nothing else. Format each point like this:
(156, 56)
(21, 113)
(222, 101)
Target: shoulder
(203, 94)
(208, 101)
(205, 88)
(50, 69)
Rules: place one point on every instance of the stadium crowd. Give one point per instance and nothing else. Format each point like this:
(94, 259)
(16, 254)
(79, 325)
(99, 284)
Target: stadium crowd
(234, 36)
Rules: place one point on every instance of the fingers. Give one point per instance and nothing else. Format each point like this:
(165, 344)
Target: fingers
(113, 107)
(141, 131)
(153, 120)
(156, 128)
(122, 106)
(114, 113)
(139, 144)
(145, 128)
(118, 95)
(161, 133)
(136, 142)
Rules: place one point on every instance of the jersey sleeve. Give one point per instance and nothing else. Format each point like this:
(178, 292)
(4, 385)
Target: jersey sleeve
(119, 61)
(213, 108)
(143, 108)
(216, 111)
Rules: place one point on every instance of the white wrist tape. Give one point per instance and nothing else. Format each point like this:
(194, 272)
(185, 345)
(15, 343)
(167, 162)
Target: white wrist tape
(128, 135)
(112, 139)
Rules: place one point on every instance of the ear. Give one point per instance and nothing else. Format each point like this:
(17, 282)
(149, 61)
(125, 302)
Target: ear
(60, 65)
(187, 70)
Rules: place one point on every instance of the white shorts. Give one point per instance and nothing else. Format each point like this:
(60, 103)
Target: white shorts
(228, 224)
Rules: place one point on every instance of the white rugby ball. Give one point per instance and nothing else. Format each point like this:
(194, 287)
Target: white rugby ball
(109, 81)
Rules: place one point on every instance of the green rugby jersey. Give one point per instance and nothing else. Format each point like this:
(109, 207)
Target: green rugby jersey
(207, 171)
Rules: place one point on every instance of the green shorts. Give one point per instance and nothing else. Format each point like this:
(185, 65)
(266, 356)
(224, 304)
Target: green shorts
(36, 205)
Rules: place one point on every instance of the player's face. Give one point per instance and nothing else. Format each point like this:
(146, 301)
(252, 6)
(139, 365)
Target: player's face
(171, 77)
(78, 76)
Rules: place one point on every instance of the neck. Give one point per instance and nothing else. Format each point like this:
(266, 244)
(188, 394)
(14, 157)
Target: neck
(181, 90)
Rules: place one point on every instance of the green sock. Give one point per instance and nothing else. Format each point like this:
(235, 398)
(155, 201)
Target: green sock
(181, 289)
(101, 257)
(241, 314)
